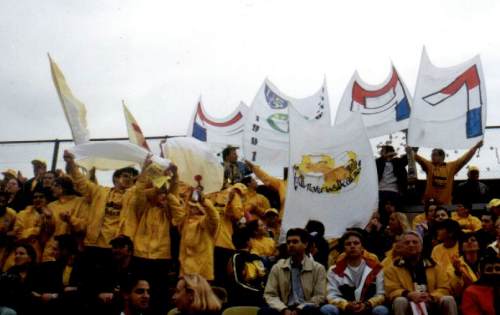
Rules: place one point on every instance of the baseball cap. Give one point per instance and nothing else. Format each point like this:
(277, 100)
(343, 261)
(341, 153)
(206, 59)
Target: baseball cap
(39, 162)
(10, 173)
(493, 203)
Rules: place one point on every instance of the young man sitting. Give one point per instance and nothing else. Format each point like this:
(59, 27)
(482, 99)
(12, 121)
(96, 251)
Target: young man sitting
(295, 285)
(355, 283)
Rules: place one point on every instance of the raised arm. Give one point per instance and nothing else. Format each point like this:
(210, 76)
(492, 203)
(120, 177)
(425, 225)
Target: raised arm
(267, 179)
(83, 185)
(212, 220)
(464, 159)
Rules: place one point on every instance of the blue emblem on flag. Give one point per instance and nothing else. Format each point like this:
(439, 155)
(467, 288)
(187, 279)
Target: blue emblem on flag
(274, 100)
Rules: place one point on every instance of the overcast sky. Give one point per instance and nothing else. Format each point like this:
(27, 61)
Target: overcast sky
(161, 55)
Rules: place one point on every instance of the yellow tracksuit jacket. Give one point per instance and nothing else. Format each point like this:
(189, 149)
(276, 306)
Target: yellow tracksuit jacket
(198, 239)
(30, 227)
(229, 214)
(152, 238)
(105, 222)
(397, 279)
(78, 210)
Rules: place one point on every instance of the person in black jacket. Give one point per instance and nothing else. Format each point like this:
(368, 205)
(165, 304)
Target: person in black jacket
(392, 177)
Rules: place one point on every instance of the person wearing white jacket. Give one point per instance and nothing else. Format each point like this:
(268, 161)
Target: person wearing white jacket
(356, 282)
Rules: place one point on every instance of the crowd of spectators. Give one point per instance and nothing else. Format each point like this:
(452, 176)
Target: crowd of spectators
(69, 245)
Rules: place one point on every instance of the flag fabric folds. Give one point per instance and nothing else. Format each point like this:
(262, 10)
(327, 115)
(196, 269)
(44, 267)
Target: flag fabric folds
(135, 134)
(112, 155)
(384, 108)
(266, 137)
(194, 158)
(449, 105)
(332, 175)
(74, 110)
(218, 132)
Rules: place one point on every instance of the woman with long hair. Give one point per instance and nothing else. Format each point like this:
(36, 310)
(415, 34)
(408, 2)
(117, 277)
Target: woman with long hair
(193, 295)
(464, 270)
(397, 226)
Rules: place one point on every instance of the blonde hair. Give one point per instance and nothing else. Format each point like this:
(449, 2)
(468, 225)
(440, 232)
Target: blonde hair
(403, 221)
(204, 299)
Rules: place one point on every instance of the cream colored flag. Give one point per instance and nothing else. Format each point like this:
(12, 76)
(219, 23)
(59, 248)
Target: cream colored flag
(75, 111)
(135, 134)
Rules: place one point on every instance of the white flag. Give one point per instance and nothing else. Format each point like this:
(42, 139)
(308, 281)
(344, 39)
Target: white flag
(135, 134)
(385, 108)
(218, 133)
(332, 175)
(449, 108)
(266, 138)
(194, 158)
(112, 155)
(74, 110)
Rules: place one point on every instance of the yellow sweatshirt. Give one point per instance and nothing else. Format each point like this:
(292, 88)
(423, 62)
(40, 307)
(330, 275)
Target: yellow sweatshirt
(231, 213)
(419, 218)
(196, 254)
(77, 207)
(276, 183)
(29, 227)
(440, 177)
(264, 246)
(152, 238)
(468, 224)
(255, 203)
(109, 211)
(444, 256)
(460, 282)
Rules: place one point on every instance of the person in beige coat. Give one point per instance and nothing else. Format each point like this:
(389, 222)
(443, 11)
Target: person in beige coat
(296, 285)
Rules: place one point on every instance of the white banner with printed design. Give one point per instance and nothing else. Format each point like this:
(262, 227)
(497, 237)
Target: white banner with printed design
(385, 108)
(449, 108)
(266, 137)
(332, 175)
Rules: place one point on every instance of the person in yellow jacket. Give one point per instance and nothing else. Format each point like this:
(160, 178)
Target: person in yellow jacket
(7, 221)
(33, 223)
(413, 278)
(445, 252)
(273, 182)
(229, 204)
(198, 228)
(157, 209)
(464, 270)
(68, 215)
(110, 212)
(441, 174)
(260, 243)
(255, 204)
(421, 221)
(468, 223)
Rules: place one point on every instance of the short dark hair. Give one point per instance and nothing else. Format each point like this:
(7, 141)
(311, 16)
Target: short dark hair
(227, 151)
(302, 233)
(451, 226)
(29, 250)
(439, 151)
(464, 237)
(66, 184)
(387, 148)
(315, 226)
(490, 214)
(349, 234)
(126, 170)
(44, 191)
(131, 282)
(241, 237)
(246, 180)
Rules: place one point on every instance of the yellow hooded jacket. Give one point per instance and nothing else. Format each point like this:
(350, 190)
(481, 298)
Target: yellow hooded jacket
(152, 238)
(198, 233)
(77, 207)
(106, 223)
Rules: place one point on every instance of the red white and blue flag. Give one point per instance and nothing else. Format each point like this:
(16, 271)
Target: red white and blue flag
(450, 105)
(218, 132)
(384, 108)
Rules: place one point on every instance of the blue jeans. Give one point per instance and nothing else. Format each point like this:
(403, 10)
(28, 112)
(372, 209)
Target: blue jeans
(329, 309)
